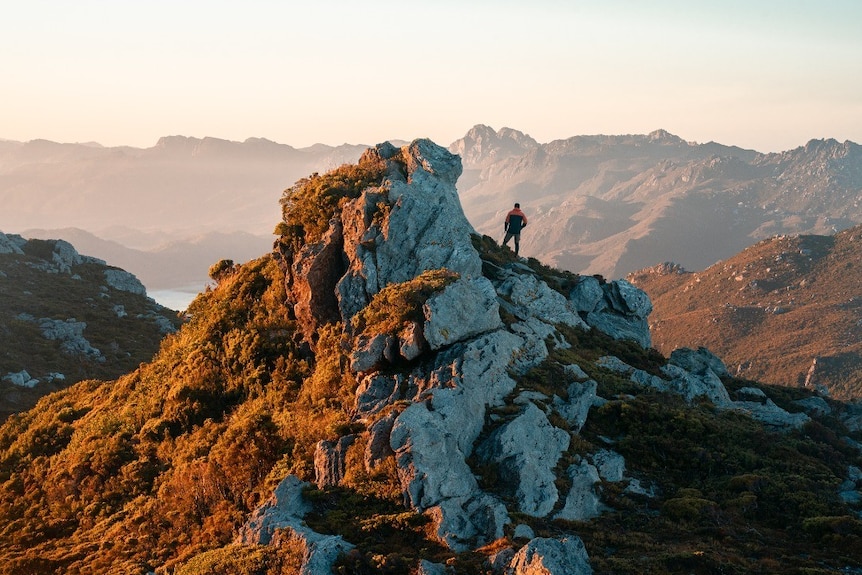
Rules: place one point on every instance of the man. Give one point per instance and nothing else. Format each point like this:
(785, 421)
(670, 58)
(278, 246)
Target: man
(515, 222)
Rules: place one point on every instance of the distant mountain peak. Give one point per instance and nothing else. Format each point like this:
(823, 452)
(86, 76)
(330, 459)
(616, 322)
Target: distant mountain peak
(482, 144)
(664, 137)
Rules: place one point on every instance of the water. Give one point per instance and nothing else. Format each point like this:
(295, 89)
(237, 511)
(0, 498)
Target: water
(177, 298)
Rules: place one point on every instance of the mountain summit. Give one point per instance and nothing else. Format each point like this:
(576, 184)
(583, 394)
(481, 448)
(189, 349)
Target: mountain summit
(389, 392)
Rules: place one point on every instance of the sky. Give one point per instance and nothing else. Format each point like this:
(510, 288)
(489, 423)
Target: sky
(762, 74)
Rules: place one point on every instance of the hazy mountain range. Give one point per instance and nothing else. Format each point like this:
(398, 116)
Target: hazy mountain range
(388, 392)
(597, 204)
(614, 204)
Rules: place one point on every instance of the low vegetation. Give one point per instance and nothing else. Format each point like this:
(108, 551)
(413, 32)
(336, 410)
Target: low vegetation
(308, 205)
(157, 470)
(397, 304)
(120, 324)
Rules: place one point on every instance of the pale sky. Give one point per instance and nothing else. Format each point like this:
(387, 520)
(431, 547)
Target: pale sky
(763, 74)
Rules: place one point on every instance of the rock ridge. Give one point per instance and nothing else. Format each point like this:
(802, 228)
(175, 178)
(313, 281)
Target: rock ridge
(438, 388)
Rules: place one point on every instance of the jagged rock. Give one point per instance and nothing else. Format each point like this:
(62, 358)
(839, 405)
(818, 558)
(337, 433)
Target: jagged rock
(635, 487)
(621, 313)
(576, 406)
(465, 522)
(526, 451)
(426, 220)
(770, 414)
(329, 461)
(282, 515)
(124, 281)
(378, 447)
(162, 323)
(375, 392)
(693, 385)
(533, 298)
(628, 299)
(610, 465)
(588, 295)
(434, 435)
(523, 531)
(533, 327)
(528, 397)
(576, 372)
(64, 256)
(412, 341)
(499, 561)
(428, 568)
(462, 310)
(11, 244)
(848, 491)
(582, 501)
(368, 353)
(70, 334)
(751, 395)
(618, 308)
(815, 406)
(852, 417)
(682, 382)
(425, 228)
(361, 235)
(431, 464)
(315, 271)
(543, 556)
(698, 361)
(21, 379)
(533, 352)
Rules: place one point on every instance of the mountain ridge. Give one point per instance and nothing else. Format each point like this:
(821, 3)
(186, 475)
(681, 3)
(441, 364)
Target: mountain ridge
(387, 391)
(67, 317)
(784, 311)
(599, 204)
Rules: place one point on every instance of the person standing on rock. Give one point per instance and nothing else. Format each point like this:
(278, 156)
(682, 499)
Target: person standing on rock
(515, 222)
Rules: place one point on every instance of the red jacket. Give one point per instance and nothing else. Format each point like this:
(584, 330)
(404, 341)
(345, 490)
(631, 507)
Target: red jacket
(515, 220)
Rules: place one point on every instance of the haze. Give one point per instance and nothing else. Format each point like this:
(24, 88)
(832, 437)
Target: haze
(767, 75)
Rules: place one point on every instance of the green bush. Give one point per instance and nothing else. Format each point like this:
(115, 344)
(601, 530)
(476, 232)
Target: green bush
(245, 560)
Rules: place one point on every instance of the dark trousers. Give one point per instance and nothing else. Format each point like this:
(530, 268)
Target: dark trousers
(509, 236)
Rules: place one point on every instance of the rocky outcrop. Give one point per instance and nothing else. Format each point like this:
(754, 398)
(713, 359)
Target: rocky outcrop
(124, 281)
(531, 297)
(526, 451)
(617, 308)
(11, 244)
(583, 501)
(282, 516)
(704, 383)
(21, 379)
(424, 227)
(70, 334)
(433, 437)
(462, 310)
(697, 374)
(329, 461)
(543, 556)
(429, 390)
(753, 402)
